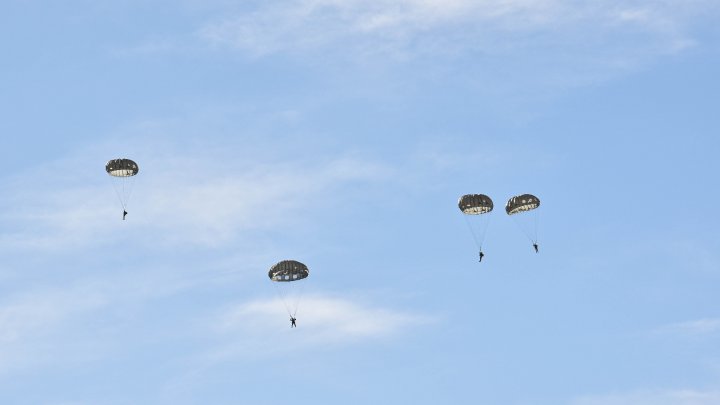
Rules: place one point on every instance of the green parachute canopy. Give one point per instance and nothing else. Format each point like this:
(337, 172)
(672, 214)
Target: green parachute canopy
(121, 168)
(288, 270)
(521, 203)
(475, 204)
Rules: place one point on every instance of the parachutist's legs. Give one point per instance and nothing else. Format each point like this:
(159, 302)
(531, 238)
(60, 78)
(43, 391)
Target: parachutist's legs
(535, 245)
(124, 214)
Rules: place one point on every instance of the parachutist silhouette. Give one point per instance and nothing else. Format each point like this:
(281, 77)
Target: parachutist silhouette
(292, 322)
(535, 245)
(122, 170)
(476, 206)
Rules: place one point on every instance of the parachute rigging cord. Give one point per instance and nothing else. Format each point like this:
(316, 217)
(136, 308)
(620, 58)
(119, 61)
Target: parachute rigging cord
(537, 222)
(529, 227)
(123, 193)
(290, 302)
(282, 298)
(482, 230)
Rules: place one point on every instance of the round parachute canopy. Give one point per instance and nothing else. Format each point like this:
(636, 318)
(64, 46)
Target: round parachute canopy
(521, 203)
(121, 168)
(288, 270)
(475, 204)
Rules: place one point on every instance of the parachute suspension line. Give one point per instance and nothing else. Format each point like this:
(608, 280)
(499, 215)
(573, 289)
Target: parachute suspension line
(281, 294)
(117, 192)
(123, 193)
(537, 221)
(292, 302)
(297, 299)
(132, 187)
(472, 231)
(528, 233)
(479, 233)
(485, 225)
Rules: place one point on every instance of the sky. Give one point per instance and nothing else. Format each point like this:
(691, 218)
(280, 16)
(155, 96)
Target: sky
(341, 133)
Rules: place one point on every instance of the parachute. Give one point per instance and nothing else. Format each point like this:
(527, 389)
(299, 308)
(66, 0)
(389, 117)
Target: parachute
(285, 276)
(521, 203)
(122, 173)
(475, 204)
(474, 207)
(526, 205)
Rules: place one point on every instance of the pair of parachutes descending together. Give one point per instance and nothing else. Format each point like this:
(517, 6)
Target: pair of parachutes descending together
(522, 208)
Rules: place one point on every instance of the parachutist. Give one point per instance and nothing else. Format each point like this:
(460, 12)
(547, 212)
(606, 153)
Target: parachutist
(286, 275)
(122, 170)
(476, 206)
(535, 245)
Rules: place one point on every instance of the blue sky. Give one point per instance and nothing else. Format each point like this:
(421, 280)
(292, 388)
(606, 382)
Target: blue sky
(341, 134)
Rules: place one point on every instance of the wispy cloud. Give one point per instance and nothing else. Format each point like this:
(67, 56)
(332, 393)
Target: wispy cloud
(259, 327)
(668, 397)
(31, 321)
(177, 198)
(516, 51)
(410, 26)
(694, 328)
(31, 313)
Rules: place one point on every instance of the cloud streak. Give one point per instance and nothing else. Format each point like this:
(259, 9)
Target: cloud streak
(177, 200)
(412, 26)
(335, 319)
(35, 322)
(257, 328)
(694, 328)
(668, 397)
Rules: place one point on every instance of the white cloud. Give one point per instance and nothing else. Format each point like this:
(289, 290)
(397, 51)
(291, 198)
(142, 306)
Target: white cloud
(410, 26)
(100, 316)
(668, 397)
(510, 50)
(31, 314)
(31, 323)
(203, 199)
(333, 319)
(261, 327)
(694, 328)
